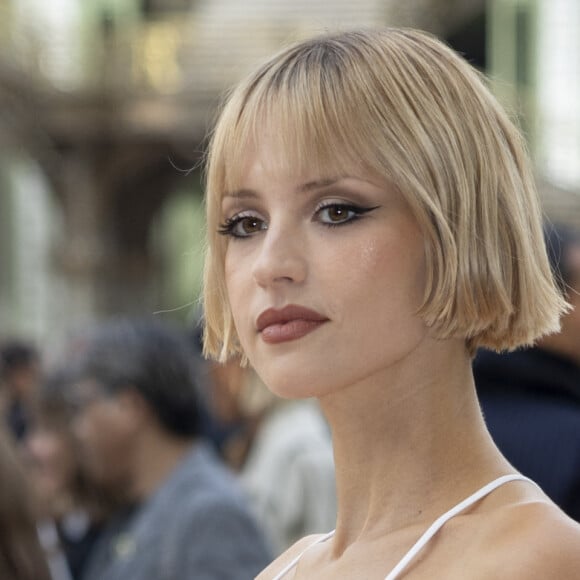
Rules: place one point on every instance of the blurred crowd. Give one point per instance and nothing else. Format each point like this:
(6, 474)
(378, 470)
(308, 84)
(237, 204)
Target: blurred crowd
(133, 457)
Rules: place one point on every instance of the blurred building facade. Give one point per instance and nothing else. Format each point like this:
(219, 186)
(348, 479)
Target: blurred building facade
(534, 61)
(105, 106)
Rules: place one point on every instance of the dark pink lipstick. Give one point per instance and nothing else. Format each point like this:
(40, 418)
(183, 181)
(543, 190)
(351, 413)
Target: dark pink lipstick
(289, 323)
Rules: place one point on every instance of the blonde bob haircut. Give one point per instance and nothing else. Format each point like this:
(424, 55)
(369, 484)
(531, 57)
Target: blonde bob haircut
(400, 105)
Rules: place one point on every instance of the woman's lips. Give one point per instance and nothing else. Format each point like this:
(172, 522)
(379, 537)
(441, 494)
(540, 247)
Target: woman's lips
(289, 323)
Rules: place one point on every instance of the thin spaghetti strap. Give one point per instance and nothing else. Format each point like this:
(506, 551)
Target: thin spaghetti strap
(295, 561)
(441, 521)
(431, 531)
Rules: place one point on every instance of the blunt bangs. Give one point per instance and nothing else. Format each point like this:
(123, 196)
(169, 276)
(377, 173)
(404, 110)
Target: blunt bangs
(303, 109)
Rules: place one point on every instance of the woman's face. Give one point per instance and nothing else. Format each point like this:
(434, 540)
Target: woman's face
(324, 276)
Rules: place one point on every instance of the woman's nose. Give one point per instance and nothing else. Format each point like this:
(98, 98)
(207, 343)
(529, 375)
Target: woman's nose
(281, 258)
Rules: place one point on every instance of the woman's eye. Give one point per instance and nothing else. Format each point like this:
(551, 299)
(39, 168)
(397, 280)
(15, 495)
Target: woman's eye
(339, 213)
(335, 214)
(242, 226)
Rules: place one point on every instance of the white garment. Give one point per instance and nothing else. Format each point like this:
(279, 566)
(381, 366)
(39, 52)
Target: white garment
(431, 531)
(289, 474)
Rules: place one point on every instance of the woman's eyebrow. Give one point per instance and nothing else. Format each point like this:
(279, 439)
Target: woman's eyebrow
(318, 184)
(241, 194)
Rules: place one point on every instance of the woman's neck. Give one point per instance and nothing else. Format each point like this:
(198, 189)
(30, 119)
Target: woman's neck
(408, 444)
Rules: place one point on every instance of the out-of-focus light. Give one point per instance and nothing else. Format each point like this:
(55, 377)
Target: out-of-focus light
(559, 92)
(156, 58)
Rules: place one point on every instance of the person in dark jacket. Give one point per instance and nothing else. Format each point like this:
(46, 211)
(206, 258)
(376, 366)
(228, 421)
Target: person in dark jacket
(137, 421)
(531, 397)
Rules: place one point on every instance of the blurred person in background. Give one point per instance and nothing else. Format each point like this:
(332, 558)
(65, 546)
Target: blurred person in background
(137, 420)
(282, 450)
(21, 555)
(70, 510)
(531, 397)
(20, 373)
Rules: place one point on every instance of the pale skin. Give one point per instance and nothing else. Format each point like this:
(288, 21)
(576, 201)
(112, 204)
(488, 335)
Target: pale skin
(408, 434)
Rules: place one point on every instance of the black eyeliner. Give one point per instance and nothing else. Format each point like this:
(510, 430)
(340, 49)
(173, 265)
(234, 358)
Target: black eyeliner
(357, 210)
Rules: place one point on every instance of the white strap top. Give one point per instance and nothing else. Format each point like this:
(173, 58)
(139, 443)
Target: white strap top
(431, 531)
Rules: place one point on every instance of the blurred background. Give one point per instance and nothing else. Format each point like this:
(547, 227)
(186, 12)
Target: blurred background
(105, 106)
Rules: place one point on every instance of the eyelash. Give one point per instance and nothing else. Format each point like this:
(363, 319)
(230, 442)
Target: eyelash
(228, 228)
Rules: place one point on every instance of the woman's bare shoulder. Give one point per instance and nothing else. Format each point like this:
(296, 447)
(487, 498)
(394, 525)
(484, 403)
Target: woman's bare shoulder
(534, 540)
(290, 554)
